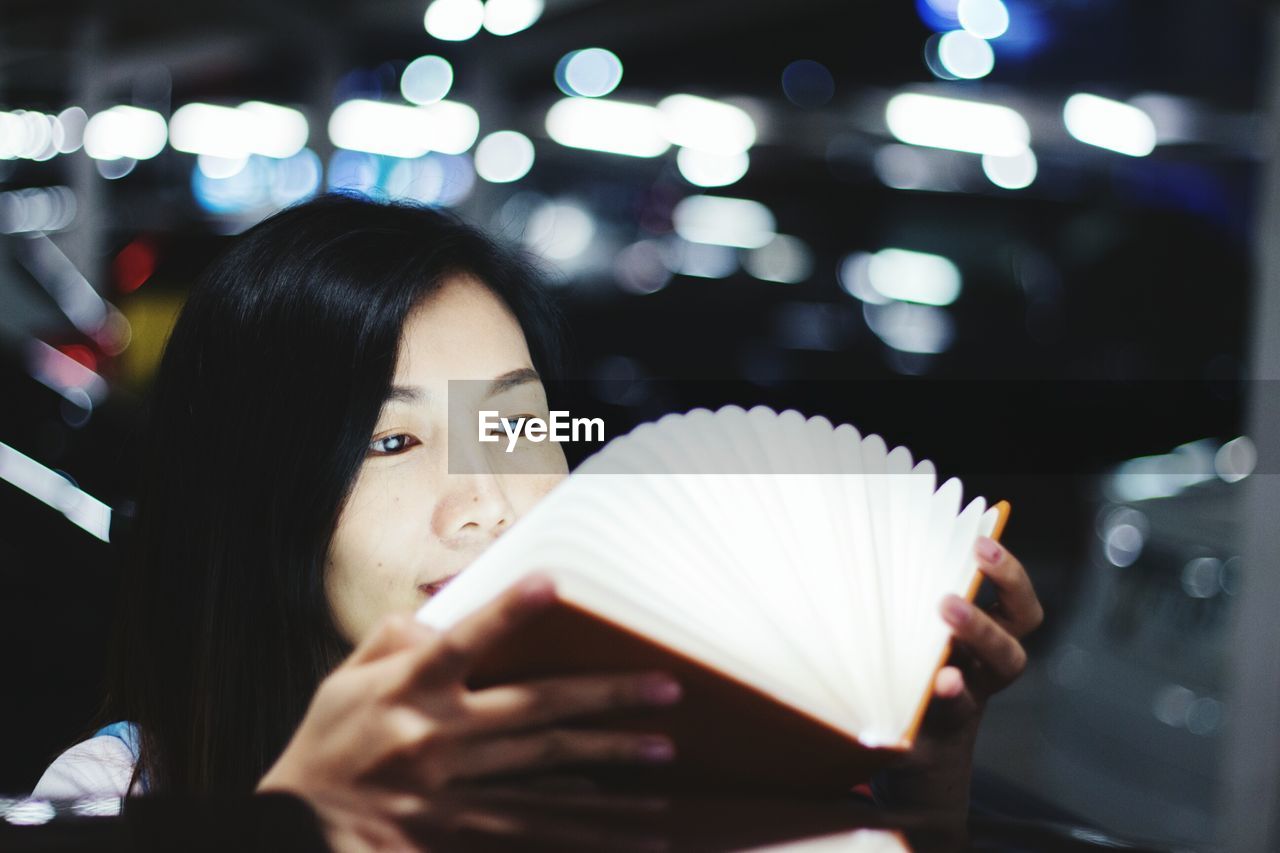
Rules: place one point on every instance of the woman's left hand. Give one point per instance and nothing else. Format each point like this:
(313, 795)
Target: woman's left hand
(987, 656)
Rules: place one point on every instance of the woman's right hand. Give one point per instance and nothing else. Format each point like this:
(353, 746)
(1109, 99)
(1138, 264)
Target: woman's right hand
(396, 723)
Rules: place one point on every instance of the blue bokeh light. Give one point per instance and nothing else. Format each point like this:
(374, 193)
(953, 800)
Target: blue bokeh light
(807, 83)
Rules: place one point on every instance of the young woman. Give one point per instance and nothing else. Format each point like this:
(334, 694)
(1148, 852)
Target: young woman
(296, 508)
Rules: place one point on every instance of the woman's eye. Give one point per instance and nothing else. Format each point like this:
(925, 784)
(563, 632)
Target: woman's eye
(519, 424)
(391, 444)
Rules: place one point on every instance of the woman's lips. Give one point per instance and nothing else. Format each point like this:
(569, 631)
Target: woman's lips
(435, 586)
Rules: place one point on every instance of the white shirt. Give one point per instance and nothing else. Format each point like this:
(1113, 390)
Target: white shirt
(97, 769)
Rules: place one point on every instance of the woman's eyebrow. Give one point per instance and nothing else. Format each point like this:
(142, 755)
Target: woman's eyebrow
(406, 394)
(510, 379)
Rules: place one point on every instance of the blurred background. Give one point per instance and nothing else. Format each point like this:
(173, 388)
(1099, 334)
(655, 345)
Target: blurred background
(1019, 236)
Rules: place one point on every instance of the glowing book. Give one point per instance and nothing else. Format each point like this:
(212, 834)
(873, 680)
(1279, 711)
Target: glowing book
(788, 572)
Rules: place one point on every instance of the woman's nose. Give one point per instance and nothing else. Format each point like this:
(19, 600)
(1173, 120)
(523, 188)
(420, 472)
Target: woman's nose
(474, 510)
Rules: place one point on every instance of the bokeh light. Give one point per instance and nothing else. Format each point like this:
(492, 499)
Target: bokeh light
(508, 17)
(736, 222)
(808, 83)
(114, 170)
(442, 180)
(240, 192)
(641, 267)
(37, 210)
(426, 80)
(592, 72)
(454, 20)
(1109, 124)
(939, 15)
(402, 131)
(700, 260)
(914, 276)
(125, 132)
(1011, 173)
(784, 259)
(296, 178)
(911, 328)
(707, 125)
(615, 127)
(72, 121)
(353, 171)
(986, 19)
(956, 124)
(220, 167)
(504, 156)
(965, 56)
(560, 230)
(704, 169)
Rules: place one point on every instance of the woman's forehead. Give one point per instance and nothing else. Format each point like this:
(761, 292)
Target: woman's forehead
(463, 330)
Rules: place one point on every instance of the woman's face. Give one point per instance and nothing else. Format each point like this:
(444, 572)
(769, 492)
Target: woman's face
(410, 524)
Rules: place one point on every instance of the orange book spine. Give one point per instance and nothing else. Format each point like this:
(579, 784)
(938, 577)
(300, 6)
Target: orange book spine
(1003, 509)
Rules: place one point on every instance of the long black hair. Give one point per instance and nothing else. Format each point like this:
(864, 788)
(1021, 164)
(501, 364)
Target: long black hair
(224, 631)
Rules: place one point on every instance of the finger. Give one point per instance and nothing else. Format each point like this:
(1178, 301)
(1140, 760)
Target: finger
(537, 703)
(392, 634)
(459, 646)
(948, 683)
(559, 747)
(1020, 609)
(953, 702)
(995, 650)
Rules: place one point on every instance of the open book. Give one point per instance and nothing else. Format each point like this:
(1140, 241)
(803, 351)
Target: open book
(788, 572)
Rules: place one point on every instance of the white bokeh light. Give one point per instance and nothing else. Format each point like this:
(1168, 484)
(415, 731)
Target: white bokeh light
(703, 169)
(615, 127)
(220, 168)
(965, 55)
(72, 121)
(911, 328)
(1109, 124)
(125, 132)
(559, 230)
(233, 133)
(986, 19)
(454, 20)
(591, 73)
(508, 17)
(958, 125)
(453, 127)
(855, 278)
(426, 80)
(1011, 173)
(396, 130)
(274, 130)
(910, 276)
(504, 156)
(706, 125)
(736, 222)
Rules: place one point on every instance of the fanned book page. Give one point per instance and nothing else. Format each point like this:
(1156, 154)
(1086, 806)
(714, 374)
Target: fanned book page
(789, 572)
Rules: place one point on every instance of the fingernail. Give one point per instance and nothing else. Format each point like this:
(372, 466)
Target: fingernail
(660, 690)
(956, 610)
(989, 550)
(657, 749)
